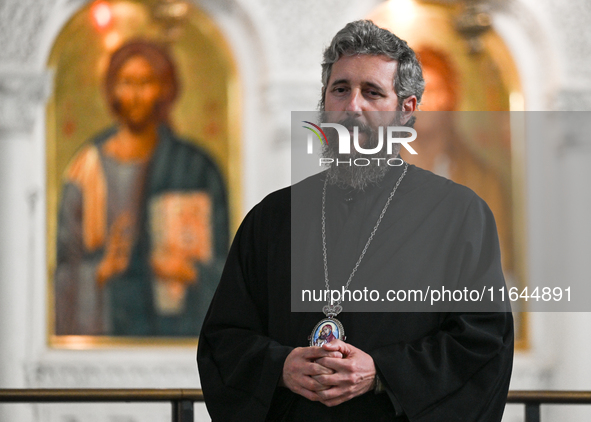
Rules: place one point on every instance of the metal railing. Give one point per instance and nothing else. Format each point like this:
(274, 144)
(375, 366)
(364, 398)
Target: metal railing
(534, 399)
(182, 399)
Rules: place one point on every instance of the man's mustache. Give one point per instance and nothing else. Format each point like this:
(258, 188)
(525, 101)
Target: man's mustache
(351, 122)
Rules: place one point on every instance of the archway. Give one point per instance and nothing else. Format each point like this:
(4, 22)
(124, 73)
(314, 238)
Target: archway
(205, 113)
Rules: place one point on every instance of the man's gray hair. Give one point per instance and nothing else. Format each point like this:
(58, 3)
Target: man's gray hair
(365, 37)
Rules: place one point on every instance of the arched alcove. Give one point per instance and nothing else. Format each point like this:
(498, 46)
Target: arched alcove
(472, 123)
(488, 78)
(206, 112)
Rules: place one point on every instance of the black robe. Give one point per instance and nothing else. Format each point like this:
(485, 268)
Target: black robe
(435, 366)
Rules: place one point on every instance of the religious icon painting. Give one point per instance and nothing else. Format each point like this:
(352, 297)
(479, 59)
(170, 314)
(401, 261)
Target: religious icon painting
(137, 237)
(327, 330)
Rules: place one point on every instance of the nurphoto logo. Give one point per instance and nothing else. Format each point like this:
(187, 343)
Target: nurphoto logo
(394, 135)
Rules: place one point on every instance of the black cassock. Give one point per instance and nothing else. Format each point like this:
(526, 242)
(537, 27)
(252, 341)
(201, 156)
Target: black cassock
(436, 366)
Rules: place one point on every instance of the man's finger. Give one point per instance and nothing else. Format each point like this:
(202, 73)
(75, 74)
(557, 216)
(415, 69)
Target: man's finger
(336, 365)
(334, 379)
(319, 352)
(338, 345)
(310, 384)
(334, 394)
(315, 369)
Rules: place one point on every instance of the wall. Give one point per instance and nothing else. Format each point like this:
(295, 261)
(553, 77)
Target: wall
(278, 45)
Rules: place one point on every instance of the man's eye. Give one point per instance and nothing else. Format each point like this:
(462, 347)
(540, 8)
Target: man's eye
(340, 90)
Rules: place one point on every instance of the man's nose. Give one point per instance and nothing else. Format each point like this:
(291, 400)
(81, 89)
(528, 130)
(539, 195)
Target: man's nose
(355, 103)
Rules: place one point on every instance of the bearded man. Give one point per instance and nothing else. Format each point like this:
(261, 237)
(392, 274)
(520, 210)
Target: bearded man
(254, 355)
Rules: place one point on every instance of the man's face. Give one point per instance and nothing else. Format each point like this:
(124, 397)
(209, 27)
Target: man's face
(137, 91)
(360, 92)
(360, 86)
(362, 83)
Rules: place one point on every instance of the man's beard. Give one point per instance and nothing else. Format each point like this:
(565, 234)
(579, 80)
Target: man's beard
(353, 176)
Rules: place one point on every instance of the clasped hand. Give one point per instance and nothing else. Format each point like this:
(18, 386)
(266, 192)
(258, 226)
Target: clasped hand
(331, 374)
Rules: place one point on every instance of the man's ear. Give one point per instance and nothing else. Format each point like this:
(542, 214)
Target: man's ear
(409, 106)
(409, 103)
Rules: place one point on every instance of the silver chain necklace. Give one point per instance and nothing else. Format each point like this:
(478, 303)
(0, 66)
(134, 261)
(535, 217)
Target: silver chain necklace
(331, 310)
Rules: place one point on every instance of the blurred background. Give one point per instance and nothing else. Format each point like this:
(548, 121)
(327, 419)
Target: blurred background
(240, 67)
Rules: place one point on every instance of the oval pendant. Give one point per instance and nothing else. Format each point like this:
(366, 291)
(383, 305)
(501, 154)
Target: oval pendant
(325, 331)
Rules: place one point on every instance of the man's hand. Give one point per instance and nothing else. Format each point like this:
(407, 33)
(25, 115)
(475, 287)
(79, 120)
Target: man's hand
(349, 376)
(117, 249)
(300, 369)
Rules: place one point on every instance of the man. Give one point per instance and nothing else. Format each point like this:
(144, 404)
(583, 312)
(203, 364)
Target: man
(143, 222)
(253, 357)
